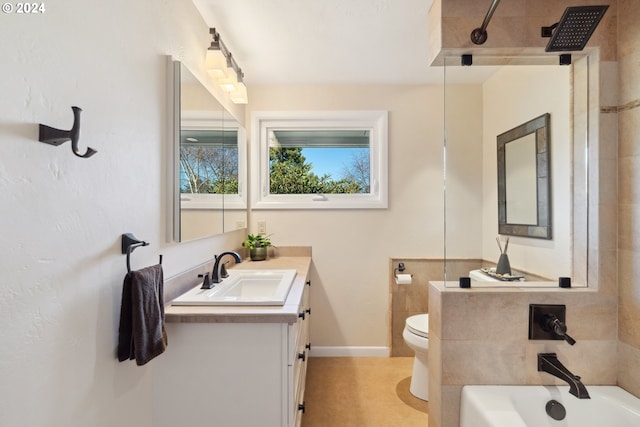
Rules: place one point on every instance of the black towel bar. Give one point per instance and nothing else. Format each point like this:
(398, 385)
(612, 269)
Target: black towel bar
(129, 243)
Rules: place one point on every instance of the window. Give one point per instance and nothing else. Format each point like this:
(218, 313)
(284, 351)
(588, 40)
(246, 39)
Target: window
(319, 160)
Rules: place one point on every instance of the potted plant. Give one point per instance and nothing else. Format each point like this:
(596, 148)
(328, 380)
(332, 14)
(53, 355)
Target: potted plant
(257, 245)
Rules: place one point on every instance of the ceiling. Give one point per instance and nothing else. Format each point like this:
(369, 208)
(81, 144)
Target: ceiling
(325, 41)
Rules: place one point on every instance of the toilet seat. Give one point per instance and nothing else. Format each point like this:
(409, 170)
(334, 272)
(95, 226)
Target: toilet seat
(418, 325)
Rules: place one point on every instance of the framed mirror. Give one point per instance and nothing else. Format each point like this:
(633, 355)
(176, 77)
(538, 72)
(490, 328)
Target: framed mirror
(524, 180)
(209, 162)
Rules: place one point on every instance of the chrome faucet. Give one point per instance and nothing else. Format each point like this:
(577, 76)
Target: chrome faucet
(548, 362)
(215, 275)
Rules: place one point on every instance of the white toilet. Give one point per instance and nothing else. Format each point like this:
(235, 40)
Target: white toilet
(416, 335)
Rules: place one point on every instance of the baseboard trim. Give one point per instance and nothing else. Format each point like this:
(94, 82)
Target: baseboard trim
(349, 351)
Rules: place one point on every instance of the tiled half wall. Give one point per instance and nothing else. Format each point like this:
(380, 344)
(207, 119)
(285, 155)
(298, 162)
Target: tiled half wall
(407, 300)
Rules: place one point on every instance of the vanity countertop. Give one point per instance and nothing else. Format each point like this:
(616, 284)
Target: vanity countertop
(287, 313)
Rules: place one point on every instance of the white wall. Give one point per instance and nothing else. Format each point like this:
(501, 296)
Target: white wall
(511, 97)
(62, 216)
(351, 248)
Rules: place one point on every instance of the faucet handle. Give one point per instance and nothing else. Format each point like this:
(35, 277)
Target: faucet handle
(551, 323)
(568, 339)
(223, 270)
(206, 283)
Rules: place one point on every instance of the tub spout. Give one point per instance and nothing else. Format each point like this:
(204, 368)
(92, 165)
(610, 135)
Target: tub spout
(548, 362)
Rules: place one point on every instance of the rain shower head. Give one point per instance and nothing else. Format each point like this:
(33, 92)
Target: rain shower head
(574, 29)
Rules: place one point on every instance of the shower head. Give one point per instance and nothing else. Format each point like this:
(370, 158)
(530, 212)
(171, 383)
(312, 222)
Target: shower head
(574, 29)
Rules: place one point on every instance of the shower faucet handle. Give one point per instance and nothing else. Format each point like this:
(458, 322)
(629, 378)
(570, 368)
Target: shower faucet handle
(568, 339)
(551, 323)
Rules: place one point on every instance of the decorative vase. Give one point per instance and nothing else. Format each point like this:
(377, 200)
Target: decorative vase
(503, 265)
(258, 254)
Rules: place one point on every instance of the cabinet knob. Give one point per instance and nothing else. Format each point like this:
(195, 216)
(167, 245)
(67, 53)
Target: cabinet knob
(301, 407)
(308, 310)
(308, 346)
(302, 356)
(301, 315)
(308, 282)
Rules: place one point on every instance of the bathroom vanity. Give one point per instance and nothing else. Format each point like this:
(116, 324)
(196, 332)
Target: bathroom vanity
(236, 365)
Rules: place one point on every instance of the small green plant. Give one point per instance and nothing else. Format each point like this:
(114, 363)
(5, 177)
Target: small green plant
(257, 241)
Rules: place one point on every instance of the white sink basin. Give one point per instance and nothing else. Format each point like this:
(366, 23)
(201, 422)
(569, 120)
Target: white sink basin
(243, 287)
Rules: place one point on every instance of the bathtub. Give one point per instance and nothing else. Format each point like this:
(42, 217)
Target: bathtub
(525, 406)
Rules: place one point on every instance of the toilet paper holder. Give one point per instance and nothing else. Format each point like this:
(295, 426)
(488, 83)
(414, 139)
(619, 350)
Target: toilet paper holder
(400, 268)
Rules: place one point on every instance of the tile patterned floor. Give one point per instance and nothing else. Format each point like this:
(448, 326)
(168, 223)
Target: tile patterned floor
(361, 392)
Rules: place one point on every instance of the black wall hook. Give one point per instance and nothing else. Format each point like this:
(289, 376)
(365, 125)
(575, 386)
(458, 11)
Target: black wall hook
(53, 136)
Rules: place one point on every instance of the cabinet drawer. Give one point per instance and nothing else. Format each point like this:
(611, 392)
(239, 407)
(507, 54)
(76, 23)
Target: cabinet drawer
(292, 343)
(299, 401)
(297, 379)
(300, 368)
(299, 332)
(295, 336)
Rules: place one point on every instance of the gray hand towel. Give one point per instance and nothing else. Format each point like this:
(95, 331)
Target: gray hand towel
(142, 335)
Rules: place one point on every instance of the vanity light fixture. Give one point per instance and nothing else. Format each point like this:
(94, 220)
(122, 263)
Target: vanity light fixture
(221, 65)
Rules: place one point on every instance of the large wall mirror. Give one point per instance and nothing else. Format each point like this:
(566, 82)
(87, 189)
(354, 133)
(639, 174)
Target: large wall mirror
(495, 96)
(209, 162)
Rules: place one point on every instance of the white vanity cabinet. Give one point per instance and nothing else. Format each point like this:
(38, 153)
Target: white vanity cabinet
(231, 368)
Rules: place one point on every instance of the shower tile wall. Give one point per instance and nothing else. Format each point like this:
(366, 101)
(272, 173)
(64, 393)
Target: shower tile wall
(629, 196)
(479, 336)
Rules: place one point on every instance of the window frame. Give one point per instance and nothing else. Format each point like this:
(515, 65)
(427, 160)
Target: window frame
(376, 121)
